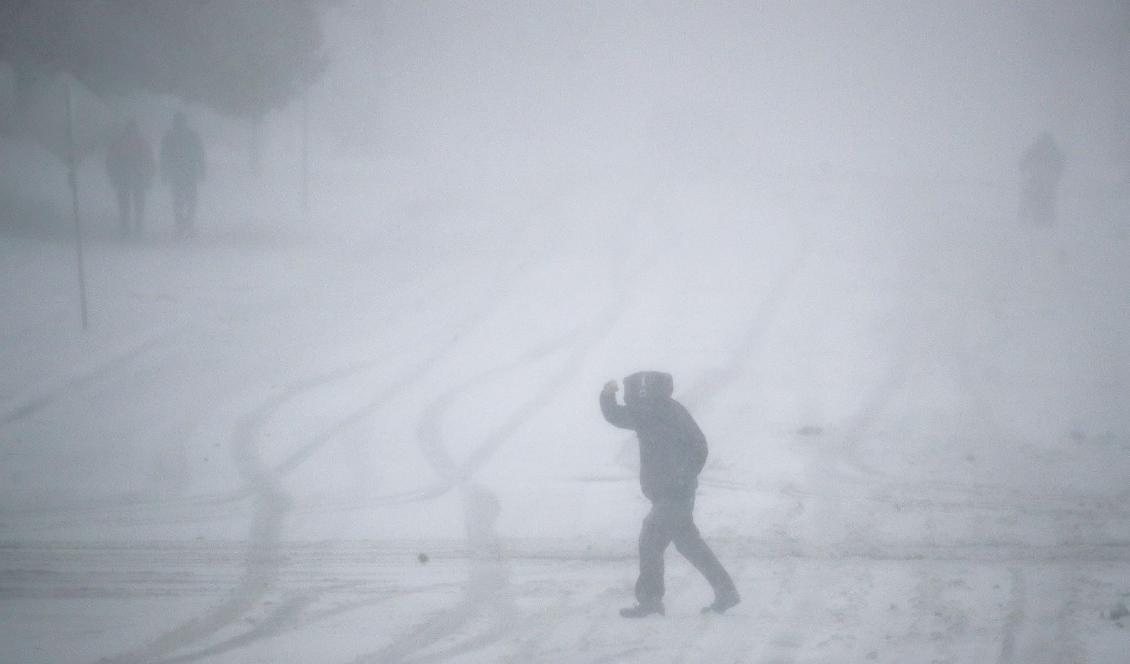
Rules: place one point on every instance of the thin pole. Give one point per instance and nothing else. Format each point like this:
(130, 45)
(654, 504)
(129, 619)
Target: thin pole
(306, 155)
(72, 177)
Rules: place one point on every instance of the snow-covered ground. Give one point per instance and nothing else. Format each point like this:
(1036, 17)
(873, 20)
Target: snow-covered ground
(385, 447)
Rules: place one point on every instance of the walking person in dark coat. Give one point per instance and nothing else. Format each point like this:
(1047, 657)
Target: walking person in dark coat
(672, 453)
(130, 167)
(182, 168)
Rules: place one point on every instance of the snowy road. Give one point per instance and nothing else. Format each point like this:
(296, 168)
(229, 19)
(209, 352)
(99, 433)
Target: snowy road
(392, 453)
(555, 602)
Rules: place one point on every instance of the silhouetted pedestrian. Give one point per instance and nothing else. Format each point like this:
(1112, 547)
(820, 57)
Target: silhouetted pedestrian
(1041, 167)
(672, 453)
(130, 167)
(182, 168)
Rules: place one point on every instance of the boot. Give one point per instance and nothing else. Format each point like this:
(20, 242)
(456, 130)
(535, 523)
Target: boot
(643, 610)
(722, 602)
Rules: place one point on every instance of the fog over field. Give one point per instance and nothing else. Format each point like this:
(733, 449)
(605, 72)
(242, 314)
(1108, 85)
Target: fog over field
(346, 410)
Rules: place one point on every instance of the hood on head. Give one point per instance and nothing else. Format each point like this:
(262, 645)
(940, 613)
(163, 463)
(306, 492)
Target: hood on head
(645, 387)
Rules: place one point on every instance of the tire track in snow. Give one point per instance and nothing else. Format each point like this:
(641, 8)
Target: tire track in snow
(622, 654)
(272, 624)
(289, 616)
(824, 520)
(849, 457)
(1017, 598)
(489, 577)
(272, 503)
(943, 620)
(880, 486)
(707, 387)
(204, 508)
(926, 323)
(491, 301)
(788, 645)
(955, 499)
(483, 591)
(263, 560)
(1067, 634)
(538, 630)
(824, 515)
(32, 405)
(430, 437)
(1049, 501)
(1039, 625)
(583, 342)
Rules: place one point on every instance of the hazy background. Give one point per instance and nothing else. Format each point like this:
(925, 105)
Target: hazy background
(515, 102)
(807, 212)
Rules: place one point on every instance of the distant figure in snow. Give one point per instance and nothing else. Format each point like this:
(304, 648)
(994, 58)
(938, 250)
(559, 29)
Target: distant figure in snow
(130, 167)
(182, 168)
(1041, 168)
(672, 453)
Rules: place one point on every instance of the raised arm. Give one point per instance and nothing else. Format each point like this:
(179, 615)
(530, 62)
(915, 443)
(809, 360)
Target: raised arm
(617, 415)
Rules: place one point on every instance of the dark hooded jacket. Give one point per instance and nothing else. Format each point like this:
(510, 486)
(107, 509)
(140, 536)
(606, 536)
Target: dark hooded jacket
(672, 447)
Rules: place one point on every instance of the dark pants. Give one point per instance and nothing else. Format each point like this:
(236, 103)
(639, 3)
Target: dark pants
(672, 520)
(184, 207)
(131, 208)
(1038, 203)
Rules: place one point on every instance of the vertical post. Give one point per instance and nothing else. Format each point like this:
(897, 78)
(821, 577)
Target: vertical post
(306, 155)
(72, 177)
